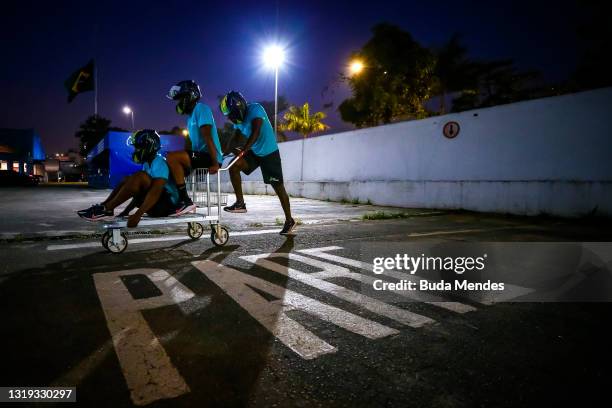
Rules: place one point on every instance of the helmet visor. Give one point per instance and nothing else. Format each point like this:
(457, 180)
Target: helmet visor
(173, 92)
(223, 106)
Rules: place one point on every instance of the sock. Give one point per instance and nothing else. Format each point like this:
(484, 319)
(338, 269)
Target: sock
(182, 190)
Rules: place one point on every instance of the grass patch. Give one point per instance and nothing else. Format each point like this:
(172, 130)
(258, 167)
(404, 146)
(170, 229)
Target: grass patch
(256, 224)
(381, 215)
(355, 201)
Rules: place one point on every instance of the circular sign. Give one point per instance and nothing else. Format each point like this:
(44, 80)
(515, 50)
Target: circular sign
(451, 130)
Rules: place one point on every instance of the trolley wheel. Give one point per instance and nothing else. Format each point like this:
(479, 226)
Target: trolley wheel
(105, 237)
(117, 247)
(219, 240)
(195, 230)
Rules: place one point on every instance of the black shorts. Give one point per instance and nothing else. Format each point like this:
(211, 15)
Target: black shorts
(162, 208)
(200, 160)
(271, 167)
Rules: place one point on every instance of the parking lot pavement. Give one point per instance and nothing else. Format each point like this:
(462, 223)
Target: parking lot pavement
(274, 321)
(50, 211)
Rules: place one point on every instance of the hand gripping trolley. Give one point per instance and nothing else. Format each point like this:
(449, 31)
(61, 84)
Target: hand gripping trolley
(198, 183)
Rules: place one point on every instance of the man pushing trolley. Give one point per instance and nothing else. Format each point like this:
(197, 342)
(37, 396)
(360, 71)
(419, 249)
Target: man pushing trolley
(260, 150)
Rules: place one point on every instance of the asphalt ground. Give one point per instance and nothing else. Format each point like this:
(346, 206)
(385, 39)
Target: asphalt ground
(205, 331)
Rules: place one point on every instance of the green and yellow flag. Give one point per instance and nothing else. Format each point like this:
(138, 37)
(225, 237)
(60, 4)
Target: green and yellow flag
(82, 80)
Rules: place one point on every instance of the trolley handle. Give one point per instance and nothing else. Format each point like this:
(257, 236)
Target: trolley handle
(231, 163)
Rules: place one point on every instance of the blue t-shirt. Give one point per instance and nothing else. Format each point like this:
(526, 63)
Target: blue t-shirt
(159, 169)
(202, 115)
(266, 142)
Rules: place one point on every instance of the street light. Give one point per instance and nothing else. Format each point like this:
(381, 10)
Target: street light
(355, 67)
(273, 57)
(128, 111)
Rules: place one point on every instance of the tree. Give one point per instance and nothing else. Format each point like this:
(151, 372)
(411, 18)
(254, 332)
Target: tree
(453, 71)
(92, 131)
(498, 82)
(176, 130)
(268, 106)
(397, 79)
(298, 119)
(595, 47)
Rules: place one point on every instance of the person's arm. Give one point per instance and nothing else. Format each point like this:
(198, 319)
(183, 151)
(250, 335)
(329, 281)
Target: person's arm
(157, 187)
(206, 134)
(255, 131)
(229, 143)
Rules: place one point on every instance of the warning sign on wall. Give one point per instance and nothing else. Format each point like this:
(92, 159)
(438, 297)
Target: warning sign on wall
(451, 129)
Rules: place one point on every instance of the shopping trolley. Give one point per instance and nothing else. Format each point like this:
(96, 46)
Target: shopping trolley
(198, 184)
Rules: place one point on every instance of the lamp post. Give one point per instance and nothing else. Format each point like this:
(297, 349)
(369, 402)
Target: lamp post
(273, 57)
(128, 111)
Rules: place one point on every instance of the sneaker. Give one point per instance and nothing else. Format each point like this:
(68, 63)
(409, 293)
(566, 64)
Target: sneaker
(81, 213)
(236, 208)
(184, 207)
(97, 213)
(288, 227)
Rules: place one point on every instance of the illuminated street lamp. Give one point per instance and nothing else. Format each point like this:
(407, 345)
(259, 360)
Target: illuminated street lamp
(185, 132)
(355, 67)
(128, 111)
(273, 57)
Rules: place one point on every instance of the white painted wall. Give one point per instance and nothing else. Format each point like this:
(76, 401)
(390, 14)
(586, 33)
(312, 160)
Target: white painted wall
(551, 155)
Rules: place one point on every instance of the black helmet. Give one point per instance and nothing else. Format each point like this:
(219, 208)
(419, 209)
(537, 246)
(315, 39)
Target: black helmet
(187, 93)
(146, 144)
(234, 106)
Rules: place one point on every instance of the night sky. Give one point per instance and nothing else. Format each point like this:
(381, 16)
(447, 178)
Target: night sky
(142, 48)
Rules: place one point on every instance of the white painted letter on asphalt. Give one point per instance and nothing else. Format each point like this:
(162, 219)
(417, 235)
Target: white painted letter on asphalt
(147, 369)
(273, 315)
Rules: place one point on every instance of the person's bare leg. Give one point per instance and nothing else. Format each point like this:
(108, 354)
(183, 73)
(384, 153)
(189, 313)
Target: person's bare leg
(236, 180)
(137, 183)
(178, 162)
(115, 190)
(279, 189)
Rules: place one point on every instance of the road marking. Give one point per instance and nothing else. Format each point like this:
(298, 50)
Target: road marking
(488, 298)
(273, 314)
(335, 271)
(134, 241)
(147, 369)
(373, 305)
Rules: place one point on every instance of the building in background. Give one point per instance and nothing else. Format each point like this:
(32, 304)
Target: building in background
(111, 159)
(21, 150)
(68, 166)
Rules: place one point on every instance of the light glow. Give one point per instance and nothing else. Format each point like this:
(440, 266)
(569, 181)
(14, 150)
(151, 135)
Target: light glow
(356, 67)
(273, 56)
(127, 110)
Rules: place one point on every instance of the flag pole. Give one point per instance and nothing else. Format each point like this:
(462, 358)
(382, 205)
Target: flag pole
(95, 64)
(95, 88)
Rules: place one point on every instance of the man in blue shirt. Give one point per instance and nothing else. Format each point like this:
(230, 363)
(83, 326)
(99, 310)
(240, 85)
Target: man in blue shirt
(260, 150)
(152, 190)
(204, 151)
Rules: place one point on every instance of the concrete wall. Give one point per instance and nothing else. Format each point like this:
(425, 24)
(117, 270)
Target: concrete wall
(550, 155)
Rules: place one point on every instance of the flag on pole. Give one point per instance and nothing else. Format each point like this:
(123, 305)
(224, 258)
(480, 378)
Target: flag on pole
(81, 80)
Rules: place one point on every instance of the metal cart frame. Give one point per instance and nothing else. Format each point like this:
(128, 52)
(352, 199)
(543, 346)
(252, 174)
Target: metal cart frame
(115, 240)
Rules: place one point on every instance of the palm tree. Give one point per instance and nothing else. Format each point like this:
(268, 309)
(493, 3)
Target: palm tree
(298, 119)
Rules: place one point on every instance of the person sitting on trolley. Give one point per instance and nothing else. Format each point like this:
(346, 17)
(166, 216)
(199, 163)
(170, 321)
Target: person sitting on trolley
(204, 150)
(260, 150)
(152, 190)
